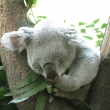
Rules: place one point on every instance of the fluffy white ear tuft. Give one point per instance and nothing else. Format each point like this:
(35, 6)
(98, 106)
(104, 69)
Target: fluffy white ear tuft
(14, 41)
(17, 40)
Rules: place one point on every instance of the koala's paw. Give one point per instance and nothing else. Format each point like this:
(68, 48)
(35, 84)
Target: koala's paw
(57, 92)
(60, 93)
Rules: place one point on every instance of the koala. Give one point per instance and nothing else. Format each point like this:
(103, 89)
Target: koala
(57, 52)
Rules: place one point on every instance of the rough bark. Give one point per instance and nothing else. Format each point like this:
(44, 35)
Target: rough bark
(13, 16)
(100, 90)
(99, 96)
(105, 48)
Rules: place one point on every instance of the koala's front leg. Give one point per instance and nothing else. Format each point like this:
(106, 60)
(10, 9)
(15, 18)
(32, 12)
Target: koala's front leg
(67, 83)
(79, 94)
(82, 72)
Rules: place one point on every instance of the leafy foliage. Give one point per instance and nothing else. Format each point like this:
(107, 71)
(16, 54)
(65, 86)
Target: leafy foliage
(31, 85)
(3, 90)
(92, 31)
(30, 3)
(81, 23)
(41, 100)
(35, 20)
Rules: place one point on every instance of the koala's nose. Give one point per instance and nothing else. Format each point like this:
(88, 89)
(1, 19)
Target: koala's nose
(51, 73)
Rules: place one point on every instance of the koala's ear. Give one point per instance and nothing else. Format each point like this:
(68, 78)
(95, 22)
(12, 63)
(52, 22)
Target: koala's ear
(72, 36)
(17, 40)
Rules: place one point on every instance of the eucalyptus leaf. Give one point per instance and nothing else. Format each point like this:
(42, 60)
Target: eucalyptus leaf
(51, 98)
(41, 100)
(44, 17)
(83, 31)
(88, 37)
(101, 35)
(26, 88)
(90, 26)
(3, 90)
(46, 83)
(95, 21)
(3, 79)
(81, 23)
(30, 77)
(103, 25)
(49, 88)
(27, 94)
(30, 3)
(18, 100)
(99, 42)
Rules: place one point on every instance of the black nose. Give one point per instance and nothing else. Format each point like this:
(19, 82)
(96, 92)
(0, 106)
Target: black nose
(51, 73)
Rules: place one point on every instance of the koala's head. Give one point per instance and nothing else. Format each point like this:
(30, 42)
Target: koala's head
(50, 49)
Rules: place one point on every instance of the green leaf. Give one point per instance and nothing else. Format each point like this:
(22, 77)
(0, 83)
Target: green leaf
(44, 17)
(31, 76)
(34, 2)
(46, 83)
(101, 35)
(3, 91)
(95, 21)
(49, 88)
(27, 94)
(103, 25)
(41, 100)
(51, 98)
(88, 37)
(83, 31)
(3, 79)
(31, 3)
(81, 23)
(90, 26)
(26, 88)
(99, 43)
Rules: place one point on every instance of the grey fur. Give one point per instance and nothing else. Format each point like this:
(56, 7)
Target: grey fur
(54, 48)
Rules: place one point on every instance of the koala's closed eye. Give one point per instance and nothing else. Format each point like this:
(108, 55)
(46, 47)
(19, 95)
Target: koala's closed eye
(61, 59)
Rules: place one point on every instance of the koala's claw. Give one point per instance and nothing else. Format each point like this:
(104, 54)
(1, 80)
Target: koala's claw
(56, 92)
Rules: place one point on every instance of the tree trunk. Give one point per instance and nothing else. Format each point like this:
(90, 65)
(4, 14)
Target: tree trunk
(105, 48)
(13, 16)
(99, 96)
